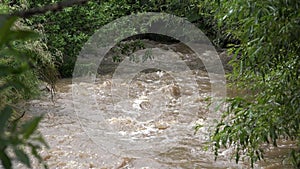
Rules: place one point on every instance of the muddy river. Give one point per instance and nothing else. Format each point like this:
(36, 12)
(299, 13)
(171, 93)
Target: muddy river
(152, 128)
(166, 140)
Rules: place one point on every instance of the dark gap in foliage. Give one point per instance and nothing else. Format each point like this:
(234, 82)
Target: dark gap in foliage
(154, 37)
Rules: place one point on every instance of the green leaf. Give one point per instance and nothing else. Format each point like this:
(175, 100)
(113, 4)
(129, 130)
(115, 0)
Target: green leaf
(5, 160)
(35, 153)
(197, 127)
(22, 157)
(42, 140)
(6, 24)
(22, 35)
(5, 114)
(30, 126)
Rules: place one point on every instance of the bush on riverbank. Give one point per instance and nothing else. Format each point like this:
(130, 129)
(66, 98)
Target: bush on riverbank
(68, 30)
(23, 63)
(268, 32)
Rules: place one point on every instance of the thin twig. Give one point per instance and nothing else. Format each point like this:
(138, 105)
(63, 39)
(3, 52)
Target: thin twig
(21, 116)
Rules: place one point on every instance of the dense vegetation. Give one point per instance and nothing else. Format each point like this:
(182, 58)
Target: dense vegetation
(24, 62)
(67, 30)
(262, 35)
(268, 32)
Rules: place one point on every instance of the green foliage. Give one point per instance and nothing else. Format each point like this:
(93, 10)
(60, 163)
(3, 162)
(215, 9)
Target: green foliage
(17, 139)
(19, 54)
(129, 47)
(269, 66)
(126, 49)
(68, 30)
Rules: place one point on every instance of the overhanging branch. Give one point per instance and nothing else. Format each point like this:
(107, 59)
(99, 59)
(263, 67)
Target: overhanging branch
(52, 7)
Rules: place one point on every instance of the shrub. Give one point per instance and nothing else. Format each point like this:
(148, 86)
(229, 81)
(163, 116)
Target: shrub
(23, 63)
(269, 66)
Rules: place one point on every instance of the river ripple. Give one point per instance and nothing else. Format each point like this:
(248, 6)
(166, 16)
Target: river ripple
(146, 137)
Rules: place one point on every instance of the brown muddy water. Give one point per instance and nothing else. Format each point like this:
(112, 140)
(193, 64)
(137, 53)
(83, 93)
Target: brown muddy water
(150, 124)
(164, 140)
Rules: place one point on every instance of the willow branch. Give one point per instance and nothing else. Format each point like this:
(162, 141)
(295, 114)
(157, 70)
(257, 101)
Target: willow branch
(52, 7)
